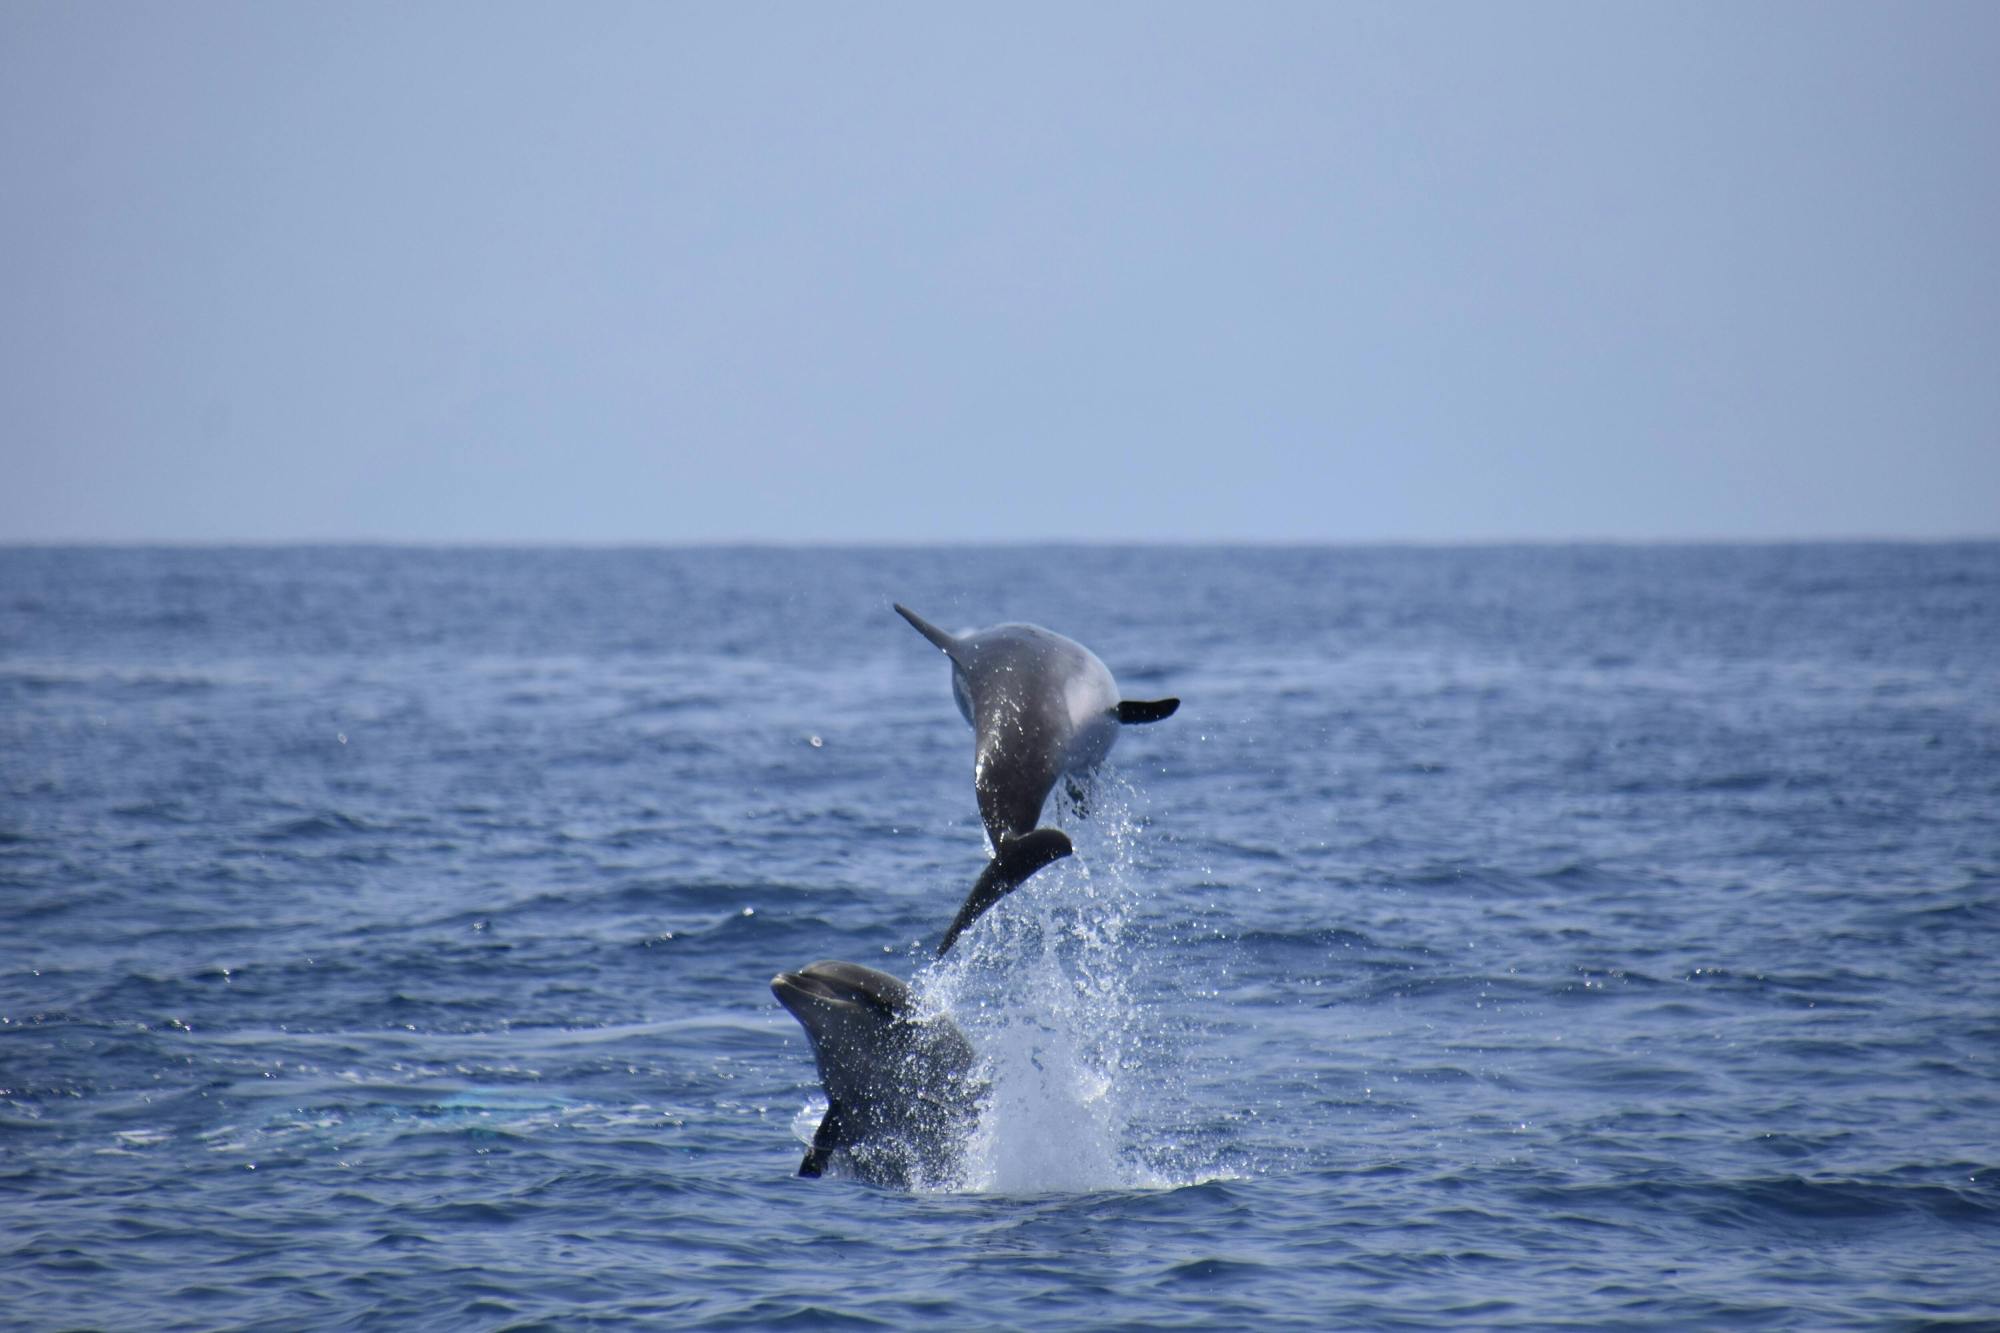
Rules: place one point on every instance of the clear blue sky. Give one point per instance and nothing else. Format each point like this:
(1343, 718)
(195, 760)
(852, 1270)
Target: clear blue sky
(688, 272)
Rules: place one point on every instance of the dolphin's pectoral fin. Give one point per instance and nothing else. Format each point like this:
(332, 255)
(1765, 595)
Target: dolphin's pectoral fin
(1018, 858)
(832, 1134)
(945, 642)
(1133, 711)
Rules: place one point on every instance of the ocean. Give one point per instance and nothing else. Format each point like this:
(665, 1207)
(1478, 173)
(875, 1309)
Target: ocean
(1498, 937)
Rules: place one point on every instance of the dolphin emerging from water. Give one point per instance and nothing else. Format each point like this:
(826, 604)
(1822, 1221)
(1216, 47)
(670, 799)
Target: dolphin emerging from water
(901, 1095)
(1041, 706)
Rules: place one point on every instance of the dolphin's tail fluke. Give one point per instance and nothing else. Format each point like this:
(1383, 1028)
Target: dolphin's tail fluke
(945, 642)
(1019, 858)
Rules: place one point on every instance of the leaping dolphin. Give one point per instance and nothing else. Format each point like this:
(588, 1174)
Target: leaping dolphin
(901, 1097)
(1040, 706)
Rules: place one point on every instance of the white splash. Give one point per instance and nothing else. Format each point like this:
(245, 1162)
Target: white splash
(1042, 986)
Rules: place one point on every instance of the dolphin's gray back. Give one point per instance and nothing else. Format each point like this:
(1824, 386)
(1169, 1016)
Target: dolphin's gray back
(1040, 705)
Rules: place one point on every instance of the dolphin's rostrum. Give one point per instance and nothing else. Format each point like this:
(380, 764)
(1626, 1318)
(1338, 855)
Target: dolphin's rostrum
(900, 1088)
(1041, 706)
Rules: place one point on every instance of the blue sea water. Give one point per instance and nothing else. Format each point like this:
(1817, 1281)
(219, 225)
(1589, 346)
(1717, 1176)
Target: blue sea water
(1514, 937)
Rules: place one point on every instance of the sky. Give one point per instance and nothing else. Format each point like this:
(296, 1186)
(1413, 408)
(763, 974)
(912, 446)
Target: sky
(1323, 272)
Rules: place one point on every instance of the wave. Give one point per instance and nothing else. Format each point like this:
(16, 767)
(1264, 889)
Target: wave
(1788, 1203)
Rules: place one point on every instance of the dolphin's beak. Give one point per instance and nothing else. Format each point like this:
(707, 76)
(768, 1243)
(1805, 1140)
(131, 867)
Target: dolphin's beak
(799, 991)
(790, 989)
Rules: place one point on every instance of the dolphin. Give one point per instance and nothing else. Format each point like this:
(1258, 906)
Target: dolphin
(900, 1089)
(1041, 707)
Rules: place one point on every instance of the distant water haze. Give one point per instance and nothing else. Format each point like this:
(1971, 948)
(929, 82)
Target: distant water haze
(1293, 272)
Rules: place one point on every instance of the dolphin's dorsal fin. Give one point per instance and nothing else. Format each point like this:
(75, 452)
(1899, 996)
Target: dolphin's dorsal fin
(946, 643)
(1133, 711)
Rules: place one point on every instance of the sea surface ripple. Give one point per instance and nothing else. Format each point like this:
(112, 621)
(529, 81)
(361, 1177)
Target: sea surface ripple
(1498, 937)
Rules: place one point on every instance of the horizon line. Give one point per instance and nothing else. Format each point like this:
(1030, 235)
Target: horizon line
(969, 544)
